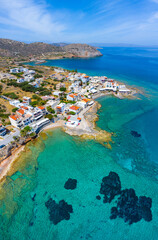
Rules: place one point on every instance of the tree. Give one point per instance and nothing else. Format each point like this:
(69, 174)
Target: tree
(38, 76)
(36, 97)
(51, 110)
(71, 113)
(1, 87)
(14, 109)
(63, 89)
(49, 116)
(24, 132)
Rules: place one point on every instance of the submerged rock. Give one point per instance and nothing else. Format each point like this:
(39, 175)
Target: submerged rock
(98, 197)
(70, 184)
(58, 211)
(135, 134)
(33, 198)
(131, 208)
(110, 187)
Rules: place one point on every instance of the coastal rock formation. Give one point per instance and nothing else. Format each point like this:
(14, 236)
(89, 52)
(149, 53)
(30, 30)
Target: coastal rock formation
(110, 187)
(82, 50)
(131, 208)
(58, 211)
(135, 134)
(70, 184)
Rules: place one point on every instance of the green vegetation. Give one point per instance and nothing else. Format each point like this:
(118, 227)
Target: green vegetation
(51, 110)
(71, 113)
(63, 89)
(14, 110)
(11, 95)
(37, 76)
(24, 132)
(36, 97)
(26, 87)
(49, 116)
(1, 87)
(18, 75)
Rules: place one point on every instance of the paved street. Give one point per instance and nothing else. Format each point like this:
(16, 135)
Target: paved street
(9, 137)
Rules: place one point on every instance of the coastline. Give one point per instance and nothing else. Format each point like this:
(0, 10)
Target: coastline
(86, 130)
(7, 163)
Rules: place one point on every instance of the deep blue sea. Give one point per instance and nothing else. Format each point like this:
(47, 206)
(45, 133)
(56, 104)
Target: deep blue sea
(42, 170)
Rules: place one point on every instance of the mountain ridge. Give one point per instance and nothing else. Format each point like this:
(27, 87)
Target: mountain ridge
(12, 48)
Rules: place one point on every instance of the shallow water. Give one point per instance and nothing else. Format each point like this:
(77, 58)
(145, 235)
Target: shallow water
(87, 161)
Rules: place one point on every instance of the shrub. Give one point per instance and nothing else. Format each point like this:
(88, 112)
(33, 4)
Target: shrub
(14, 109)
(51, 110)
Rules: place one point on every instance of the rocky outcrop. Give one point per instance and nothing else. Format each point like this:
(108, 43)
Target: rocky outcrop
(70, 184)
(110, 187)
(135, 134)
(131, 208)
(58, 211)
(82, 50)
(128, 206)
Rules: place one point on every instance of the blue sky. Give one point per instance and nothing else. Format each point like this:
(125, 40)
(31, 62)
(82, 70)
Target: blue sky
(80, 21)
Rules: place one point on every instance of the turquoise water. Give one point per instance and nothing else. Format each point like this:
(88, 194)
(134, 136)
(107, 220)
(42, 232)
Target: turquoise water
(45, 166)
(64, 157)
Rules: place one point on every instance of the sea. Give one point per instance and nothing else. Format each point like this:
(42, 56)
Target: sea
(40, 173)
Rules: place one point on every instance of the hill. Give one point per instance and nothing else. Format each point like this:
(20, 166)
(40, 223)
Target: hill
(11, 48)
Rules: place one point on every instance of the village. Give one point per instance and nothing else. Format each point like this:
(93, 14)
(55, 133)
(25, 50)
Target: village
(73, 95)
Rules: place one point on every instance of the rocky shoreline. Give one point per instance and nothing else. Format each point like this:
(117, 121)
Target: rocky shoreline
(86, 130)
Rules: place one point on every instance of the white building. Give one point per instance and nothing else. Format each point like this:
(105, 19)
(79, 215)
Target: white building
(27, 100)
(15, 121)
(72, 97)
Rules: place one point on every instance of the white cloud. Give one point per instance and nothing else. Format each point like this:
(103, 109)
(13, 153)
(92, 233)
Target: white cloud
(30, 15)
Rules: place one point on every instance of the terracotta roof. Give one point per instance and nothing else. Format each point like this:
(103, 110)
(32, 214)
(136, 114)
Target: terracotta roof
(21, 111)
(41, 107)
(14, 117)
(71, 95)
(74, 108)
(86, 100)
(24, 107)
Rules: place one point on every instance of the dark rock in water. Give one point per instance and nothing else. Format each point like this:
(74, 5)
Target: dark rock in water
(110, 187)
(135, 134)
(145, 204)
(33, 198)
(31, 224)
(114, 213)
(58, 212)
(132, 209)
(98, 197)
(70, 184)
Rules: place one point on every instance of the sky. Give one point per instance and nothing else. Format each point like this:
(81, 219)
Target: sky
(80, 21)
